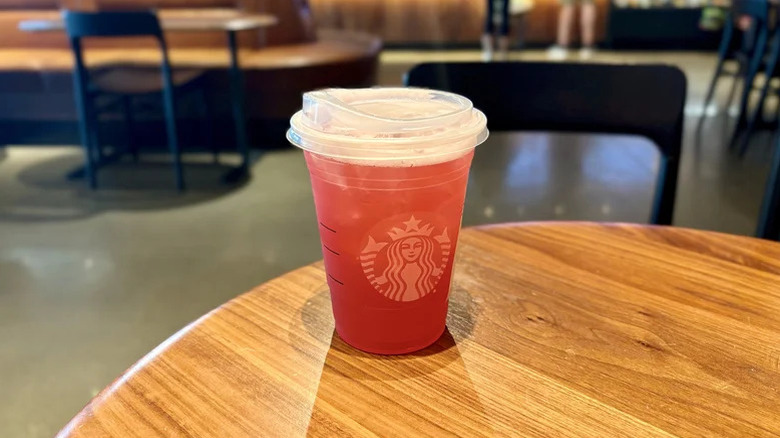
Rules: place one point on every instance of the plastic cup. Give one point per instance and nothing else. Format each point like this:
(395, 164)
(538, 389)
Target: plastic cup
(389, 169)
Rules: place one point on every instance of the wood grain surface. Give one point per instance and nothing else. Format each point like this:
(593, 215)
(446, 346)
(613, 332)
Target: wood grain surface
(555, 329)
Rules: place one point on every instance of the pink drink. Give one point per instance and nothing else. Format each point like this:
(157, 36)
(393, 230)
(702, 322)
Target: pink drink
(389, 215)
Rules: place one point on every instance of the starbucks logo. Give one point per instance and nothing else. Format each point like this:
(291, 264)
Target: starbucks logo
(406, 261)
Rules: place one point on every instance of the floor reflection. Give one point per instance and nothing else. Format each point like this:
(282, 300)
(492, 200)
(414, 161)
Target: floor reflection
(46, 193)
(529, 176)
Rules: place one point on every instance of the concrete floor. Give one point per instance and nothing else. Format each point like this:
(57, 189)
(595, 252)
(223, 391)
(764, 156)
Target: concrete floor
(90, 281)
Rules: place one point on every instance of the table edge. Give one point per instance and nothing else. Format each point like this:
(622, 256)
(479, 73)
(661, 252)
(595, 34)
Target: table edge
(631, 225)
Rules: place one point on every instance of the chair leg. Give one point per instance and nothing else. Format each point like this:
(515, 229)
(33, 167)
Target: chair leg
(733, 91)
(769, 217)
(759, 109)
(750, 124)
(725, 43)
(237, 99)
(94, 134)
(84, 110)
(755, 63)
(662, 212)
(127, 109)
(710, 92)
(173, 138)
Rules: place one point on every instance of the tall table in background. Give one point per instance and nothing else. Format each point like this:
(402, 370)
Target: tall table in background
(202, 21)
(554, 329)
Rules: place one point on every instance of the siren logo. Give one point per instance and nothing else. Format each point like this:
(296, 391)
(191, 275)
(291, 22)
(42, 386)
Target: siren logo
(406, 261)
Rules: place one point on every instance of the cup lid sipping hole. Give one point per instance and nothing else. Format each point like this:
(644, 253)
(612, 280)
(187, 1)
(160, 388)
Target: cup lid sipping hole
(380, 124)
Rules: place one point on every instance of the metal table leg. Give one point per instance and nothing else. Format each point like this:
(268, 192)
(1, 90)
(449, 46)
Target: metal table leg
(237, 101)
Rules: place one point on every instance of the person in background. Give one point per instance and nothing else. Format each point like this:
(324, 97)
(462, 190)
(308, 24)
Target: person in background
(496, 34)
(565, 24)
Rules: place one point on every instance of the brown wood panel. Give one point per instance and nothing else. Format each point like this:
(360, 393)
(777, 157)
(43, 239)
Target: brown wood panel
(541, 24)
(28, 4)
(554, 329)
(436, 21)
(12, 37)
(296, 25)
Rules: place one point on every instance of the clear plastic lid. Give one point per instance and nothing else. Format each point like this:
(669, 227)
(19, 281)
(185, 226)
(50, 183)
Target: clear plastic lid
(394, 126)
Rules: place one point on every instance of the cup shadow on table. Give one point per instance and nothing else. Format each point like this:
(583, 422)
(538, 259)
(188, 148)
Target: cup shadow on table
(396, 394)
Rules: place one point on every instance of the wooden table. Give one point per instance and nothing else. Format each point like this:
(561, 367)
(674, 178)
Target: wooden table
(555, 329)
(229, 22)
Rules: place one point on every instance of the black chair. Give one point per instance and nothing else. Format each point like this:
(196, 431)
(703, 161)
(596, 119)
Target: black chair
(646, 100)
(771, 70)
(739, 46)
(123, 82)
(756, 47)
(769, 218)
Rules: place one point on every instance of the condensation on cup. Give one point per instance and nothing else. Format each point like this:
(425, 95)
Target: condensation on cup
(388, 168)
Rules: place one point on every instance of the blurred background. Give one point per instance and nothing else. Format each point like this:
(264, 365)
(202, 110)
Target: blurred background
(133, 201)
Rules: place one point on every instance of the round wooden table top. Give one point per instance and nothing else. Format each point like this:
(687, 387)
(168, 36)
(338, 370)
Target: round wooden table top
(554, 329)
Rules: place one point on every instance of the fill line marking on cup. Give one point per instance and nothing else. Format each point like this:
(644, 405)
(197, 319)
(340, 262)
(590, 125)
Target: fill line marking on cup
(327, 228)
(332, 278)
(334, 252)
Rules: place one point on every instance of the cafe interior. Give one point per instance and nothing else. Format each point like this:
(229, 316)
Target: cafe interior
(618, 271)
